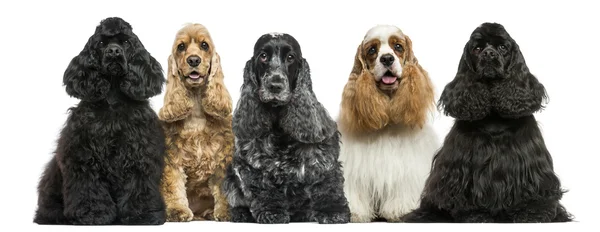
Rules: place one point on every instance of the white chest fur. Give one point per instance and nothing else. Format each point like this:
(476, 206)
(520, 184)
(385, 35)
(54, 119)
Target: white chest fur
(385, 172)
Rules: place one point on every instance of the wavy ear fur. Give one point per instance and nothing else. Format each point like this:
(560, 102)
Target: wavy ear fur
(177, 103)
(304, 118)
(413, 98)
(520, 93)
(466, 97)
(363, 106)
(216, 100)
(82, 79)
(145, 78)
(251, 119)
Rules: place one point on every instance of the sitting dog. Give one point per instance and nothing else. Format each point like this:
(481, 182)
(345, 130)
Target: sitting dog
(493, 165)
(285, 166)
(197, 122)
(387, 142)
(110, 155)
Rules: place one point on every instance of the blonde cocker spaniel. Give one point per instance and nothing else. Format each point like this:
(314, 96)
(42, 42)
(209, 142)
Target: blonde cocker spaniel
(197, 120)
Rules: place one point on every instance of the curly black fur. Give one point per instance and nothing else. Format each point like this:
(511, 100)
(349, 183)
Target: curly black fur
(493, 165)
(110, 155)
(285, 167)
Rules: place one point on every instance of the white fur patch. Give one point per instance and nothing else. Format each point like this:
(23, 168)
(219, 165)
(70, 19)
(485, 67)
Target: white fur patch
(385, 171)
(276, 34)
(383, 33)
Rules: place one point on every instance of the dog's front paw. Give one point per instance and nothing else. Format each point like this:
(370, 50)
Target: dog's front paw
(179, 214)
(93, 216)
(272, 217)
(221, 215)
(332, 217)
(148, 218)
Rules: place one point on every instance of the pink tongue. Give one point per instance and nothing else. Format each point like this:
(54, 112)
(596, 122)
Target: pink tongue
(194, 75)
(388, 80)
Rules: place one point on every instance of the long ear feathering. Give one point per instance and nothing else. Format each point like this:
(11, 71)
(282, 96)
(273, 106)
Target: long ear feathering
(304, 118)
(363, 106)
(82, 78)
(177, 104)
(145, 78)
(414, 97)
(251, 119)
(520, 93)
(216, 99)
(466, 97)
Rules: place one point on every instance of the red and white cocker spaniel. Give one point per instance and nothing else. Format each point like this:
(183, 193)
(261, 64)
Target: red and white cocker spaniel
(388, 142)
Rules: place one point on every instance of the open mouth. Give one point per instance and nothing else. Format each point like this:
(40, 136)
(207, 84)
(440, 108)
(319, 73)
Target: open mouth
(388, 78)
(195, 76)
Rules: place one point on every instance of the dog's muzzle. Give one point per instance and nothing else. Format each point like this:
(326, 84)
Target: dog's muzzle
(114, 59)
(275, 88)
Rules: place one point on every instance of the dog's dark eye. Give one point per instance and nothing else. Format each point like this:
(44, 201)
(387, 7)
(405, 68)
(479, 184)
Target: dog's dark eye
(477, 49)
(181, 47)
(398, 47)
(503, 47)
(126, 41)
(101, 43)
(263, 57)
(372, 50)
(290, 58)
(204, 46)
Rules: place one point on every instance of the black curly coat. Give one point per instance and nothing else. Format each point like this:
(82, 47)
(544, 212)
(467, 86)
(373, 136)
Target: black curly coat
(110, 155)
(285, 167)
(493, 165)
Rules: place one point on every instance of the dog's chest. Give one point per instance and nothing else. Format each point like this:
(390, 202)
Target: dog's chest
(197, 120)
(301, 165)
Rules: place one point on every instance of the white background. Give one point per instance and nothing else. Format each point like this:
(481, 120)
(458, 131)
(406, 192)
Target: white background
(559, 40)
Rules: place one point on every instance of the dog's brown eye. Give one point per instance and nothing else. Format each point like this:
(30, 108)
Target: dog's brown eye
(290, 57)
(372, 51)
(204, 46)
(181, 47)
(263, 57)
(398, 47)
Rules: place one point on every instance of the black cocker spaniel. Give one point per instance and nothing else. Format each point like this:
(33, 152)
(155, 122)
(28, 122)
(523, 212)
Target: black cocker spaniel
(285, 167)
(494, 165)
(110, 155)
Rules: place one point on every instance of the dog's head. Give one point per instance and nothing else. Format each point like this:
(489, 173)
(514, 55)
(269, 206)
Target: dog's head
(192, 55)
(114, 54)
(384, 52)
(276, 63)
(491, 52)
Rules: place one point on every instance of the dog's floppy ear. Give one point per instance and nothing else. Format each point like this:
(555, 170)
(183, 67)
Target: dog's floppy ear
(82, 78)
(363, 106)
(216, 99)
(414, 98)
(251, 119)
(177, 103)
(145, 78)
(410, 55)
(519, 93)
(466, 97)
(304, 118)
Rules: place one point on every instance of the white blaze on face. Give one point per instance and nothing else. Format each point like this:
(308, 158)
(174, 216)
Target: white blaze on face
(383, 34)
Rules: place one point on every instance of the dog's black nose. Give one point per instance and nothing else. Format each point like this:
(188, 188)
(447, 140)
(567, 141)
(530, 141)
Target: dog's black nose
(113, 51)
(490, 54)
(193, 61)
(387, 60)
(276, 87)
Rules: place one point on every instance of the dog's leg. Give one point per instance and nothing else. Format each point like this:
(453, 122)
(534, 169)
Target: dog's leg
(270, 207)
(174, 193)
(87, 199)
(50, 200)
(359, 201)
(538, 212)
(241, 214)
(329, 203)
(221, 206)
